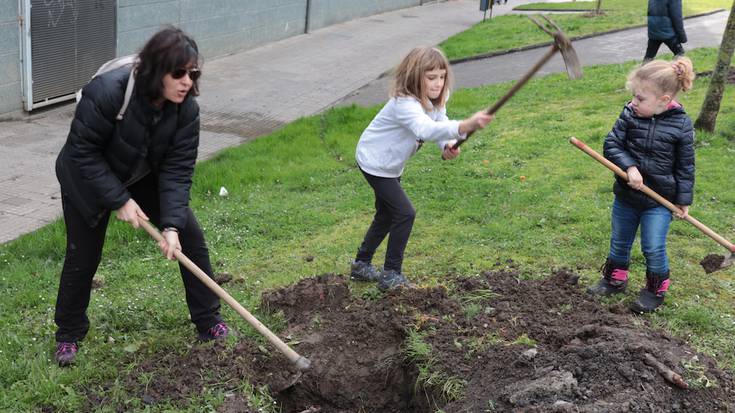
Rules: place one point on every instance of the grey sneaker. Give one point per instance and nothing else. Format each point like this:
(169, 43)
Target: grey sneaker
(390, 279)
(363, 271)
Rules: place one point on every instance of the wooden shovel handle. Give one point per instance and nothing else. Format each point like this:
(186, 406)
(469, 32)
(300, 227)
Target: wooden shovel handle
(648, 191)
(516, 87)
(204, 278)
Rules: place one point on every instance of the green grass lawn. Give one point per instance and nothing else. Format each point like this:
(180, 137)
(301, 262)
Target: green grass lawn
(513, 31)
(297, 193)
(689, 7)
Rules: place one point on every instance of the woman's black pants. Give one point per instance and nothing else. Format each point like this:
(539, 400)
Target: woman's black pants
(84, 251)
(394, 215)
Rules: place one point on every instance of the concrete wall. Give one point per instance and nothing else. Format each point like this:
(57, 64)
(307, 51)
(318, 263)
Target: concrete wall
(220, 27)
(10, 89)
(323, 13)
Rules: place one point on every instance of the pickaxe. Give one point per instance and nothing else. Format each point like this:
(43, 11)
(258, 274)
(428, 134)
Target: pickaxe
(561, 44)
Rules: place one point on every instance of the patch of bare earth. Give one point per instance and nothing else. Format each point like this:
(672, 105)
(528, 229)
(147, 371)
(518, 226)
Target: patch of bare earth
(498, 343)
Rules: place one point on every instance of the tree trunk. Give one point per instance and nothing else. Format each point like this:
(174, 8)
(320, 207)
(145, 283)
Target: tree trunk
(599, 6)
(711, 105)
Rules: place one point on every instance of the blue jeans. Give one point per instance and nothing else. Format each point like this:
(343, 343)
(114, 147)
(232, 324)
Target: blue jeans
(654, 223)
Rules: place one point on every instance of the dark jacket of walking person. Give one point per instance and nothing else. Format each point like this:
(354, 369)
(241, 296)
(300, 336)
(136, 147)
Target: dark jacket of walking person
(142, 162)
(665, 25)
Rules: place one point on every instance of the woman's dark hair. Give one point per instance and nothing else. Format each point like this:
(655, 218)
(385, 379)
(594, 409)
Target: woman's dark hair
(166, 51)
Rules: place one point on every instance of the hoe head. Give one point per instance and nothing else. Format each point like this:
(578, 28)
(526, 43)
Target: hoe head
(562, 42)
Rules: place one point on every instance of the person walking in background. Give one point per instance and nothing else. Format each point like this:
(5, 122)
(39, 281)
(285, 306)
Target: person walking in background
(653, 140)
(415, 113)
(142, 162)
(665, 25)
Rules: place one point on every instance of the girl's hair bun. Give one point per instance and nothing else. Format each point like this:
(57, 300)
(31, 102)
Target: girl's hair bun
(684, 72)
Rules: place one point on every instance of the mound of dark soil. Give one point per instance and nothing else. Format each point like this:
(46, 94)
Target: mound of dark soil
(495, 344)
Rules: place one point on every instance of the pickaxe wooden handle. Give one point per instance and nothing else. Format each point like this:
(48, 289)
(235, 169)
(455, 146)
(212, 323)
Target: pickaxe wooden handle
(561, 44)
(648, 191)
(302, 363)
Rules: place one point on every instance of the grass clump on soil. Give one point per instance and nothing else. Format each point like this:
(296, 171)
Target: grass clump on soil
(299, 207)
(419, 352)
(524, 340)
(514, 31)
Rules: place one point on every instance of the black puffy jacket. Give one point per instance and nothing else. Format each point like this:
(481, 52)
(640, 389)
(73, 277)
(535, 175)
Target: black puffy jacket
(662, 148)
(103, 156)
(665, 21)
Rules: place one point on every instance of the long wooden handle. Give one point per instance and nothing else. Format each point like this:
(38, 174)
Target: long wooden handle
(522, 82)
(648, 191)
(204, 278)
(516, 87)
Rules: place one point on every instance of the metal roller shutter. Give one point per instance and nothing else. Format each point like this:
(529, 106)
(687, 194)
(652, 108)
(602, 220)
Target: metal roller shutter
(70, 39)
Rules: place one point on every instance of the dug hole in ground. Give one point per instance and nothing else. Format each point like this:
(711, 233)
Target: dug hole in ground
(491, 343)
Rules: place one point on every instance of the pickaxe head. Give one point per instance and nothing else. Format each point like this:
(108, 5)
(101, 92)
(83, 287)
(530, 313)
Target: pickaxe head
(562, 42)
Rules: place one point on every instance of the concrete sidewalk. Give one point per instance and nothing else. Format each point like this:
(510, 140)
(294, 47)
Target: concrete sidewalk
(252, 93)
(619, 47)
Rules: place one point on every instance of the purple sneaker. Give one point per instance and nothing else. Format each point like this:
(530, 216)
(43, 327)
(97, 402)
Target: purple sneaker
(216, 332)
(65, 353)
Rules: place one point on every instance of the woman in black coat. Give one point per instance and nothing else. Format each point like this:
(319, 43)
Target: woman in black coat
(142, 162)
(665, 25)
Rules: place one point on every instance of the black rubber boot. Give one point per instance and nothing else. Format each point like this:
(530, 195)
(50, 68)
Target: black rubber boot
(614, 279)
(651, 297)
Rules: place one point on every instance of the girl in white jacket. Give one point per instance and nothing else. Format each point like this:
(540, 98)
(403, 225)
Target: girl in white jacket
(415, 113)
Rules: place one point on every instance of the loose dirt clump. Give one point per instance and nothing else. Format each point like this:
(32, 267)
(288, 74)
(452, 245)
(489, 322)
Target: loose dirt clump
(490, 343)
(712, 263)
(222, 278)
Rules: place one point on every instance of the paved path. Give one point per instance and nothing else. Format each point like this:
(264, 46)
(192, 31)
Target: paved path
(248, 94)
(616, 47)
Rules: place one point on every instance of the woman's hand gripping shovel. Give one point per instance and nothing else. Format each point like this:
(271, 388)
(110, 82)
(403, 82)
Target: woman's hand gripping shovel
(709, 267)
(301, 362)
(561, 44)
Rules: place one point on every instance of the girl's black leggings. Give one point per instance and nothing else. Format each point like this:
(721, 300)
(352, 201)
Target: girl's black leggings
(394, 215)
(84, 251)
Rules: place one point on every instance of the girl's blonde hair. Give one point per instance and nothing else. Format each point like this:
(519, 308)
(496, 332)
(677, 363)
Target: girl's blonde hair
(409, 76)
(667, 77)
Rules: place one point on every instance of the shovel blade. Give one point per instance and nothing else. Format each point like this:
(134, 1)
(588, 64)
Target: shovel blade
(728, 261)
(714, 262)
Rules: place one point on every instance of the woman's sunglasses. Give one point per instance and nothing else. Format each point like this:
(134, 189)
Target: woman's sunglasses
(193, 73)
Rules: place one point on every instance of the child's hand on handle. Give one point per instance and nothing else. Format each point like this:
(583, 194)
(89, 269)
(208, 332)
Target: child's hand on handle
(130, 212)
(684, 211)
(450, 152)
(475, 122)
(170, 242)
(635, 180)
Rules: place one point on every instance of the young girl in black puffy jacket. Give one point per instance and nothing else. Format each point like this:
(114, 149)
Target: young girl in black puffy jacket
(653, 140)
